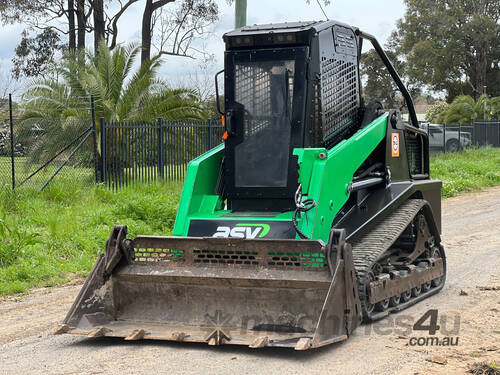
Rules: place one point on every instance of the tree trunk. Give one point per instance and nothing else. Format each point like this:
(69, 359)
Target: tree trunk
(80, 17)
(483, 65)
(71, 25)
(146, 31)
(98, 24)
(479, 71)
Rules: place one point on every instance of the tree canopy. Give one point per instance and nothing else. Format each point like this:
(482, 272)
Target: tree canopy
(35, 55)
(120, 91)
(464, 109)
(168, 27)
(452, 45)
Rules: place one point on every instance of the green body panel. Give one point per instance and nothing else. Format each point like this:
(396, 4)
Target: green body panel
(324, 176)
(198, 191)
(329, 178)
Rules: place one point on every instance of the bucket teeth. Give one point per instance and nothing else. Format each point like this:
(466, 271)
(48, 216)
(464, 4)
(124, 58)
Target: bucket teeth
(178, 336)
(217, 337)
(136, 334)
(259, 342)
(303, 344)
(60, 329)
(98, 332)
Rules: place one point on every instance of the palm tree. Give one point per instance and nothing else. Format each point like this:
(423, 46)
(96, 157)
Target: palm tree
(463, 109)
(60, 109)
(120, 94)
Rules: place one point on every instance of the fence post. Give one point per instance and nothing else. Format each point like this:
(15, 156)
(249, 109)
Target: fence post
(209, 138)
(103, 150)
(473, 124)
(487, 133)
(12, 154)
(459, 137)
(160, 148)
(94, 139)
(498, 132)
(444, 138)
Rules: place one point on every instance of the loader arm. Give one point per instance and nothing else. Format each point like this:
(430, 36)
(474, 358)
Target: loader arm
(326, 181)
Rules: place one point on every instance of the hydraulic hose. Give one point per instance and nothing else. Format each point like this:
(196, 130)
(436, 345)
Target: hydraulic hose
(301, 207)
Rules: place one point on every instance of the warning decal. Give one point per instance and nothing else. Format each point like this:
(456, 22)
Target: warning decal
(395, 145)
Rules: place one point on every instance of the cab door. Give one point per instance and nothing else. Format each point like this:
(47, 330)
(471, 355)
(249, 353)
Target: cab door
(264, 103)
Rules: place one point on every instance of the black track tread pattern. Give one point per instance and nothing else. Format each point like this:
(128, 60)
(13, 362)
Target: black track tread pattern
(367, 249)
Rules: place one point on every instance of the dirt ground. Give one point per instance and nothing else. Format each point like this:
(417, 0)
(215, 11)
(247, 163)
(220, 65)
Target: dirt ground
(468, 309)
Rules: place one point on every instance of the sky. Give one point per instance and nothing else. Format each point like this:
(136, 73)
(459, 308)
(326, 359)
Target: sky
(375, 17)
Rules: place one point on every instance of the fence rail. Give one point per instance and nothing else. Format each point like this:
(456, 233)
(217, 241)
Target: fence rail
(146, 151)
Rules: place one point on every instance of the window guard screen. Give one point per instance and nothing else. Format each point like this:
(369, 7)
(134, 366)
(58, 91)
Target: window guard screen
(265, 89)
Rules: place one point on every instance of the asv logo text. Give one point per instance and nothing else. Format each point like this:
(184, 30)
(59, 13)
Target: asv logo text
(242, 231)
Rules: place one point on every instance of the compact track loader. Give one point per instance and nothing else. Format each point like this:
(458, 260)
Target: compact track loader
(315, 214)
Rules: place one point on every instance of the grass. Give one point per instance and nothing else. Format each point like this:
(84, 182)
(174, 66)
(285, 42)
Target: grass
(54, 237)
(469, 170)
(23, 169)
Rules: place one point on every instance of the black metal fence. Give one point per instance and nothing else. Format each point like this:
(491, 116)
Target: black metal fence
(135, 151)
(147, 151)
(486, 133)
(84, 151)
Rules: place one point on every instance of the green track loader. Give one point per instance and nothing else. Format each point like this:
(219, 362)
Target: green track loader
(315, 214)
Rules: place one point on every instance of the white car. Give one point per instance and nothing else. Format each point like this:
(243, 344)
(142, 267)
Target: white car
(451, 143)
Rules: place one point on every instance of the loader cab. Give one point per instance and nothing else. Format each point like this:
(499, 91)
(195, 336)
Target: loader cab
(287, 86)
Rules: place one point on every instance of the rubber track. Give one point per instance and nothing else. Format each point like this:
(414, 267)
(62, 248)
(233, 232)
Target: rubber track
(369, 248)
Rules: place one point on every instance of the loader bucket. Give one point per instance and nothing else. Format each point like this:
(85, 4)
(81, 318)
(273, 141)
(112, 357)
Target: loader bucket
(285, 293)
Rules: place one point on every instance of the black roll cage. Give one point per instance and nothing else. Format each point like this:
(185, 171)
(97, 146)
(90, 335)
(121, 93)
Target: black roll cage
(395, 76)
